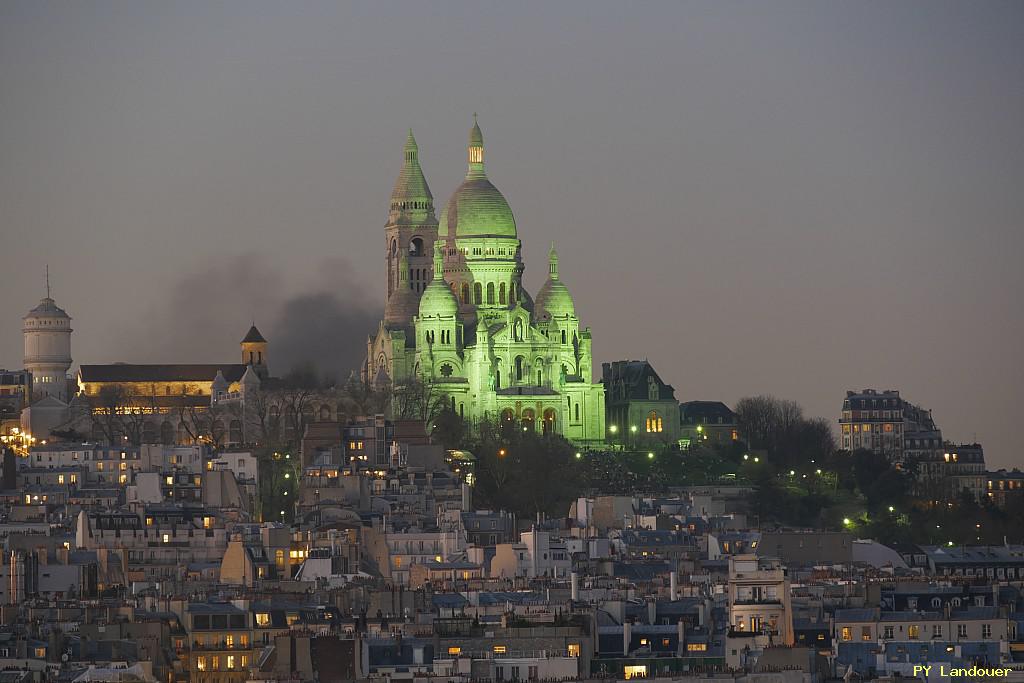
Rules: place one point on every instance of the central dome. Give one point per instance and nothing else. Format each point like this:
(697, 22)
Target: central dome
(476, 208)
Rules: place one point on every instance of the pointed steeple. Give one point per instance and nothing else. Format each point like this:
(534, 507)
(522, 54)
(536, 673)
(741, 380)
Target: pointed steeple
(411, 200)
(475, 150)
(553, 263)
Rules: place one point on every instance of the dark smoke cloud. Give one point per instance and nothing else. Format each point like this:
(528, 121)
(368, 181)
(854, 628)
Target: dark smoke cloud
(323, 322)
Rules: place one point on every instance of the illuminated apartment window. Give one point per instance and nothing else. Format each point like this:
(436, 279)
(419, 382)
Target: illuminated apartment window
(207, 522)
(60, 478)
(696, 647)
(847, 633)
(262, 619)
(123, 479)
(665, 642)
(99, 467)
(291, 618)
(635, 671)
(169, 480)
(865, 633)
(574, 649)
(28, 499)
(914, 632)
(74, 478)
(229, 640)
(167, 538)
(40, 652)
(201, 663)
(215, 663)
(500, 649)
(643, 642)
(244, 661)
(455, 650)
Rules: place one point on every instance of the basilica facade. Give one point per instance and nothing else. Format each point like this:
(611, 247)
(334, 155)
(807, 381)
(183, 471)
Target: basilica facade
(458, 321)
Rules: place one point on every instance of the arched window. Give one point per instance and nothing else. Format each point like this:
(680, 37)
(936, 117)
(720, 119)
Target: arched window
(512, 293)
(577, 412)
(508, 415)
(465, 292)
(235, 431)
(274, 420)
(490, 293)
(527, 419)
(654, 424)
(166, 433)
(217, 431)
(478, 293)
(519, 363)
(540, 377)
(501, 294)
(416, 246)
(564, 338)
(289, 422)
(652, 389)
(497, 378)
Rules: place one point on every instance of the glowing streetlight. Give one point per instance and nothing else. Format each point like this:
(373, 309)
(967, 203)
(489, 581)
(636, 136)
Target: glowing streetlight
(632, 428)
(650, 456)
(892, 509)
(578, 455)
(846, 521)
(746, 457)
(613, 429)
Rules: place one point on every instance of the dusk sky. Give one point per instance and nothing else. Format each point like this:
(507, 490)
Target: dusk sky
(759, 197)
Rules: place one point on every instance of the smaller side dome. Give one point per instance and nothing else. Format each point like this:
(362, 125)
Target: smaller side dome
(554, 299)
(437, 299)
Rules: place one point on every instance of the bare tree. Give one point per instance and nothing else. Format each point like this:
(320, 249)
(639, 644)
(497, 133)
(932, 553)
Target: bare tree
(417, 400)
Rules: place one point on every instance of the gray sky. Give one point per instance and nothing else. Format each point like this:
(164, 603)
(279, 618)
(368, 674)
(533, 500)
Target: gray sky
(794, 198)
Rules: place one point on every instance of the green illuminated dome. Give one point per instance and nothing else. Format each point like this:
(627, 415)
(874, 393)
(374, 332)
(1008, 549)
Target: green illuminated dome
(437, 299)
(554, 298)
(477, 208)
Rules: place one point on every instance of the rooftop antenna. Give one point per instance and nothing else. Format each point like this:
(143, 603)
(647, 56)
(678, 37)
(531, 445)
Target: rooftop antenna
(47, 280)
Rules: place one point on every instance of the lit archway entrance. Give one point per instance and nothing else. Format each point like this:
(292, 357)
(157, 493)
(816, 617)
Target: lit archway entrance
(549, 421)
(528, 419)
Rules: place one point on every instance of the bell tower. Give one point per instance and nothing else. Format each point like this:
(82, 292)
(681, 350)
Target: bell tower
(412, 226)
(254, 352)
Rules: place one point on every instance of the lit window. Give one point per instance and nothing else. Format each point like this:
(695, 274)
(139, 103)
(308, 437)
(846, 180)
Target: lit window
(914, 632)
(654, 423)
(231, 662)
(60, 478)
(696, 647)
(635, 671)
(847, 633)
(167, 538)
(169, 480)
(455, 650)
(500, 649)
(574, 649)
(201, 663)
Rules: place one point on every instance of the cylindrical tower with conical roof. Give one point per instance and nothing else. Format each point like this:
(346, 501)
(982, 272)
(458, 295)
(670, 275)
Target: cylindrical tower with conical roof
(411, 226)
(47, 335)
